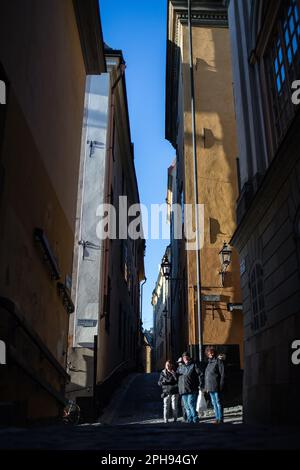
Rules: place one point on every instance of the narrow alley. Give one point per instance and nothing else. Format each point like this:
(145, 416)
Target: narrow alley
(149, 227)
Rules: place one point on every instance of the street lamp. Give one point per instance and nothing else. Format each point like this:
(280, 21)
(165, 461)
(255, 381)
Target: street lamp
(166, 267)
(225, 258)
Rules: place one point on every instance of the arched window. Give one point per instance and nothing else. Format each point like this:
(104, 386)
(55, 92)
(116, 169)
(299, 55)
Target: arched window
(256, 285)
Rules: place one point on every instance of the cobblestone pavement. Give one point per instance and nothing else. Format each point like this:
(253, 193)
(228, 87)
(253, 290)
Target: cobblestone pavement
(134, 422)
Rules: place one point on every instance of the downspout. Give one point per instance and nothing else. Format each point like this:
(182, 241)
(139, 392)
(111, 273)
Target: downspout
(141, 308)
(196, 195)
(141, 320)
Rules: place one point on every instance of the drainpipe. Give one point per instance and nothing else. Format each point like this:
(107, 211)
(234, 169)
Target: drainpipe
(141, 308)
(196, 195)
(141, 321)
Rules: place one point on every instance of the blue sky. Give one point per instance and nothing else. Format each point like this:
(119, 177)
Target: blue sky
(138, 27)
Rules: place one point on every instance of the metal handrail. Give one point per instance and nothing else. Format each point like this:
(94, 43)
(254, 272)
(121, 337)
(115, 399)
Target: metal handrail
(116, 369)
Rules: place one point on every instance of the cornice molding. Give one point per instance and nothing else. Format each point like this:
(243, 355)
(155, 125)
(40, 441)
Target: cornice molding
(213, 13)
(90, 32)
(206, 18)
(267, 28)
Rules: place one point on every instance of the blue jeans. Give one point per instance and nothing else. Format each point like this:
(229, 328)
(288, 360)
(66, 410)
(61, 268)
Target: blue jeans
(216, 402)
(189, 402)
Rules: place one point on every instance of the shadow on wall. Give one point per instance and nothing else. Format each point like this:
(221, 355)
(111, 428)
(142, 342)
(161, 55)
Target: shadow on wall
(214, 96)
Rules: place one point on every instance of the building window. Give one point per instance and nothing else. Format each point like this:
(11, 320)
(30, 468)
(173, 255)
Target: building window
(283, 62)
(107, 300)
(259, 318)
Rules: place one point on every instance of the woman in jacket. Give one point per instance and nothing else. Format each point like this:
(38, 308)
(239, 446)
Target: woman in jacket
(214, 381)
(169, 383)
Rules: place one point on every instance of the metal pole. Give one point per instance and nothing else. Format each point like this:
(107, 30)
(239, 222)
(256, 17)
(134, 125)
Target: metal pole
(166, 334)
(165, 313)
(199, 309)
(141, 306)
(140, 337)
(95, 410)
(171, 320)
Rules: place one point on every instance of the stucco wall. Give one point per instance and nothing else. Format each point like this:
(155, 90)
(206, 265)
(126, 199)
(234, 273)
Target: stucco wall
(217, 179)
(45, 65)
(42, 58)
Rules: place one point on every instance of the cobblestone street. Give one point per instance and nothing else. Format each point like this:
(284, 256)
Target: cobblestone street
(134, 422)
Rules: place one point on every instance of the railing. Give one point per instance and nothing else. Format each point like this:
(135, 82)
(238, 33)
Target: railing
(105, 388)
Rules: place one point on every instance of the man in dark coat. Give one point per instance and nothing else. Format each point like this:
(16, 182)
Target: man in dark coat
(189, 382)
(169, 383)
(214, 381)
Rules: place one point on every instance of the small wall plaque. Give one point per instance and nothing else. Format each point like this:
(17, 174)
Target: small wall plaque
(211, 298)
(87, 323)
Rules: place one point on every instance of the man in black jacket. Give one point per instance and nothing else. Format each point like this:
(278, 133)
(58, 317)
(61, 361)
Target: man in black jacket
(214, 381)
(189, 382)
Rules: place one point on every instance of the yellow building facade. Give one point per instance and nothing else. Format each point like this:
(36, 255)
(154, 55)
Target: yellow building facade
(217, 177)
(44, 60)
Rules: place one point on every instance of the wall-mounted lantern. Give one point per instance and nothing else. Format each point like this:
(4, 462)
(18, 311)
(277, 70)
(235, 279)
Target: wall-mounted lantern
(225, 259)
(166, 267)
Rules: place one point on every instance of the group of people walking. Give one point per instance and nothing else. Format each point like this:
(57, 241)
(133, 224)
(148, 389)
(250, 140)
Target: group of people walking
(189, 379)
